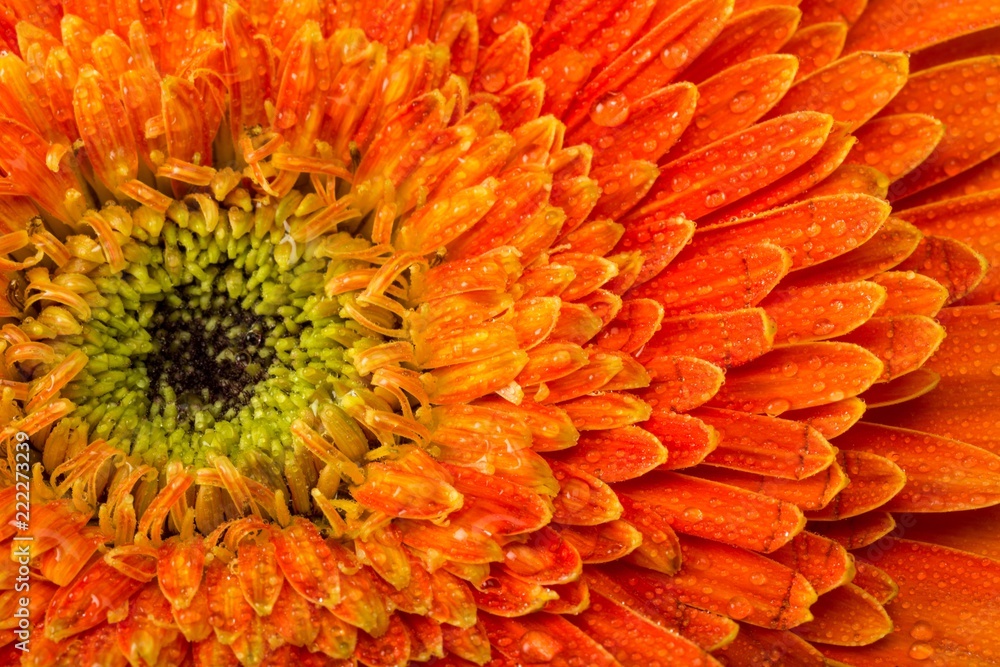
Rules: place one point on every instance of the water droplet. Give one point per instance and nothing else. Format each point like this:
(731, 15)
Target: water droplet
(742, 102)
(715, 199)
(610, 110)
(921, 651)
(739, 607)
(692, 514)
(922, 631)
(777, 406)
(674, 56)
(538, 646)
(823, 326)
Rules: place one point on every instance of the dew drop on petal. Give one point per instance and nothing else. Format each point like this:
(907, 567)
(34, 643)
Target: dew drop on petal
(538, 646)
(610, 110)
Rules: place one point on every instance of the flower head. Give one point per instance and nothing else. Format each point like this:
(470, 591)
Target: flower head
(572, 333)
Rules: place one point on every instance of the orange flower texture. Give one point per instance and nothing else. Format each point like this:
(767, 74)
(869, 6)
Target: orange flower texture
(578, 333)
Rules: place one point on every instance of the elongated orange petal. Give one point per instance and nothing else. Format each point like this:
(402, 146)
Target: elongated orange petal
(816, 46)
(583, 499)
(813, 492)
(761, 444)
(750, 34)
(761, 646)
(852, 89)
(723, 172)
(953, 622)
(892, 244)
(540, 638)
(780, 601)
(86, 602)
(616, 455)
(904, 388)
(875, 582)
(858, 532)
(307, 563)
(688, 439)
(805, 314)
(972, 129)
(718, 281)
(886, 26)
(824, 563)
(938, 485)
(681, 383)
(725, 339)
(903, 343)
(605, 621)
(953, 264)
(751, 520)
(800, 376)
(847, 616)
(833, 419)
(874, 481)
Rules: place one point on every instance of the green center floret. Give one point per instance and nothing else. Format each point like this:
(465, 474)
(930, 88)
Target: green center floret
(210, 342)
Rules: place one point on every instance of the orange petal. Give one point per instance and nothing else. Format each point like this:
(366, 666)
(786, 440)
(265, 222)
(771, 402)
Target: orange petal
(607, 410)
(653, 126)
(664, 51)
(722, 280)
(805, 314)
(583, 499)
(605, 543)
(953, 620)
(766, 445)
(623, 185)
(885, 26)
(660, 549)
(816, 46)
(633, 640)
(615, 455)
(388, 650)
(857, 532)
(973, 531)
(573, 598)
(505, 62)
(807, 494)
(307, 562)
(874, 480)
(465, 382)
(259, 574)
(551, 428)
(688, 440)
(743, 163)
(800, 376)
(852, 89)
(910, 293)
(632, 327)
(903, 343)
(875, 582)
(953, 264)
(86, 602)
(846, 616)
(902, 389)
(229, 615)
(600, 369)
(847, 11)
(833, 419)
(544, 558)
(851, 178)
(470, 644)
(824, 563)
(893, 243)
(507, 595)
(812, 231)
(681, 383)
(725, 339)
(755, 646)
(497, 506)
(179, 570)
(708, 630)
(795, 184)
(100, 116)
(541, 638)
(956, 476)
(966, 220)
(780, 600)
(659, 240)
(895, 145)
(737, 97)
(957, 95)
(961, 407)
(750, 34)
(751, 520)
(397, 489)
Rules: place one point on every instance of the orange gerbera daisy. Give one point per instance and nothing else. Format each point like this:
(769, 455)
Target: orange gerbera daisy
(581, 333)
